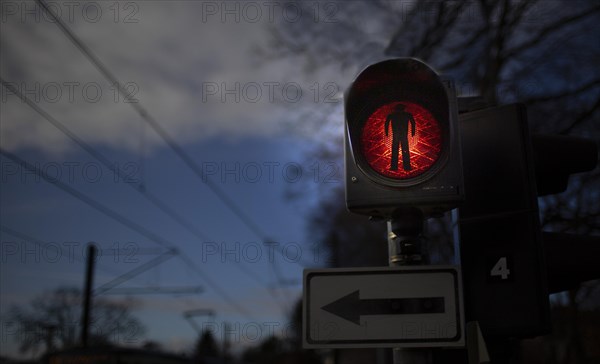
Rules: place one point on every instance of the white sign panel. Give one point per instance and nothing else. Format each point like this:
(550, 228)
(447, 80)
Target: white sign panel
(383, 307)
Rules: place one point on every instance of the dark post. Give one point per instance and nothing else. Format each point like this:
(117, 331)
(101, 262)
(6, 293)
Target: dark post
(87, 294)
(405, 248)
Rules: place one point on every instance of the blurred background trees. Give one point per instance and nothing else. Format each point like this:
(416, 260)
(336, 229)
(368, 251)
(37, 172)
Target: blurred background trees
(52, 322)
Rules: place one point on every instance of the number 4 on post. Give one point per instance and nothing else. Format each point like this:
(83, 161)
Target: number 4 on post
(500, 269)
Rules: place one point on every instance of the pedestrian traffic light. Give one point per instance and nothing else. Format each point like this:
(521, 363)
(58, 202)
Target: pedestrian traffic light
(401, 140)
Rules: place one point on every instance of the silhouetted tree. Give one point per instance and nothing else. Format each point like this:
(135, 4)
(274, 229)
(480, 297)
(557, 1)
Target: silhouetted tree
(53, 322)
(207, 346)
(267, 352)
(296, 353)
(152, 345)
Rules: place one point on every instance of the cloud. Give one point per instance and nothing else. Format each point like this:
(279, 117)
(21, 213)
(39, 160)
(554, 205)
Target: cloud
(201, 74)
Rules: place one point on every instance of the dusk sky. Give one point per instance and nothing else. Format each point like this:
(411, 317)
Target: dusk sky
(214, 129)
(222, 82)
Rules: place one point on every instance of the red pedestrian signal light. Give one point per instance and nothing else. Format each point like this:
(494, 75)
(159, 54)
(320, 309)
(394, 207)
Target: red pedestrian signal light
(401, 140)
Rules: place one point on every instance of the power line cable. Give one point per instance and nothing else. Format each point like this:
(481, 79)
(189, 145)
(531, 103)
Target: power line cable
(124, 221)
(105, 161)
(134, 272)
(120, 173)
(179, 151)
(45, 245)
(37, 242)
(145, 115)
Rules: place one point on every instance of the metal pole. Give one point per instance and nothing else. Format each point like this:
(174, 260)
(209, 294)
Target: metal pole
(405, 248)
(87, 294)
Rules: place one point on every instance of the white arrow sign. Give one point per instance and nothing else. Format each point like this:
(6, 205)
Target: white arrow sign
(383, 307)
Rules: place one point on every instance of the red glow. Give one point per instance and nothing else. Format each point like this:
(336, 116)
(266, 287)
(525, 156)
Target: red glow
(425, 146)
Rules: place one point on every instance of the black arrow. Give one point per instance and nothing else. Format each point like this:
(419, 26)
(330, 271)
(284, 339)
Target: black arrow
(351, 307)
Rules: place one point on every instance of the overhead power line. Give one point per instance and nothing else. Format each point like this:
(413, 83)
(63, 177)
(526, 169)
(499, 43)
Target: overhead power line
(122, 175)
(156, 126)
(49, 245)
(109, 287)
(177, 149)
(88, 200)
(37, 242)
(134, 272)
(145, 115)
(126, 222)
(155, 290)
(104, 161)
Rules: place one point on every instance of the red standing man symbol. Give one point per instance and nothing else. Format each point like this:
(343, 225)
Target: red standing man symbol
(400, 119)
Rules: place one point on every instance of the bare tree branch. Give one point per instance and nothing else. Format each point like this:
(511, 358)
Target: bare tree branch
(542, 34)
(582, 117)
(582, 88)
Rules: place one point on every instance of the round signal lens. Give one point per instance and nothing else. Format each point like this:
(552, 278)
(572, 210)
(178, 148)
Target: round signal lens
(401, 140)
